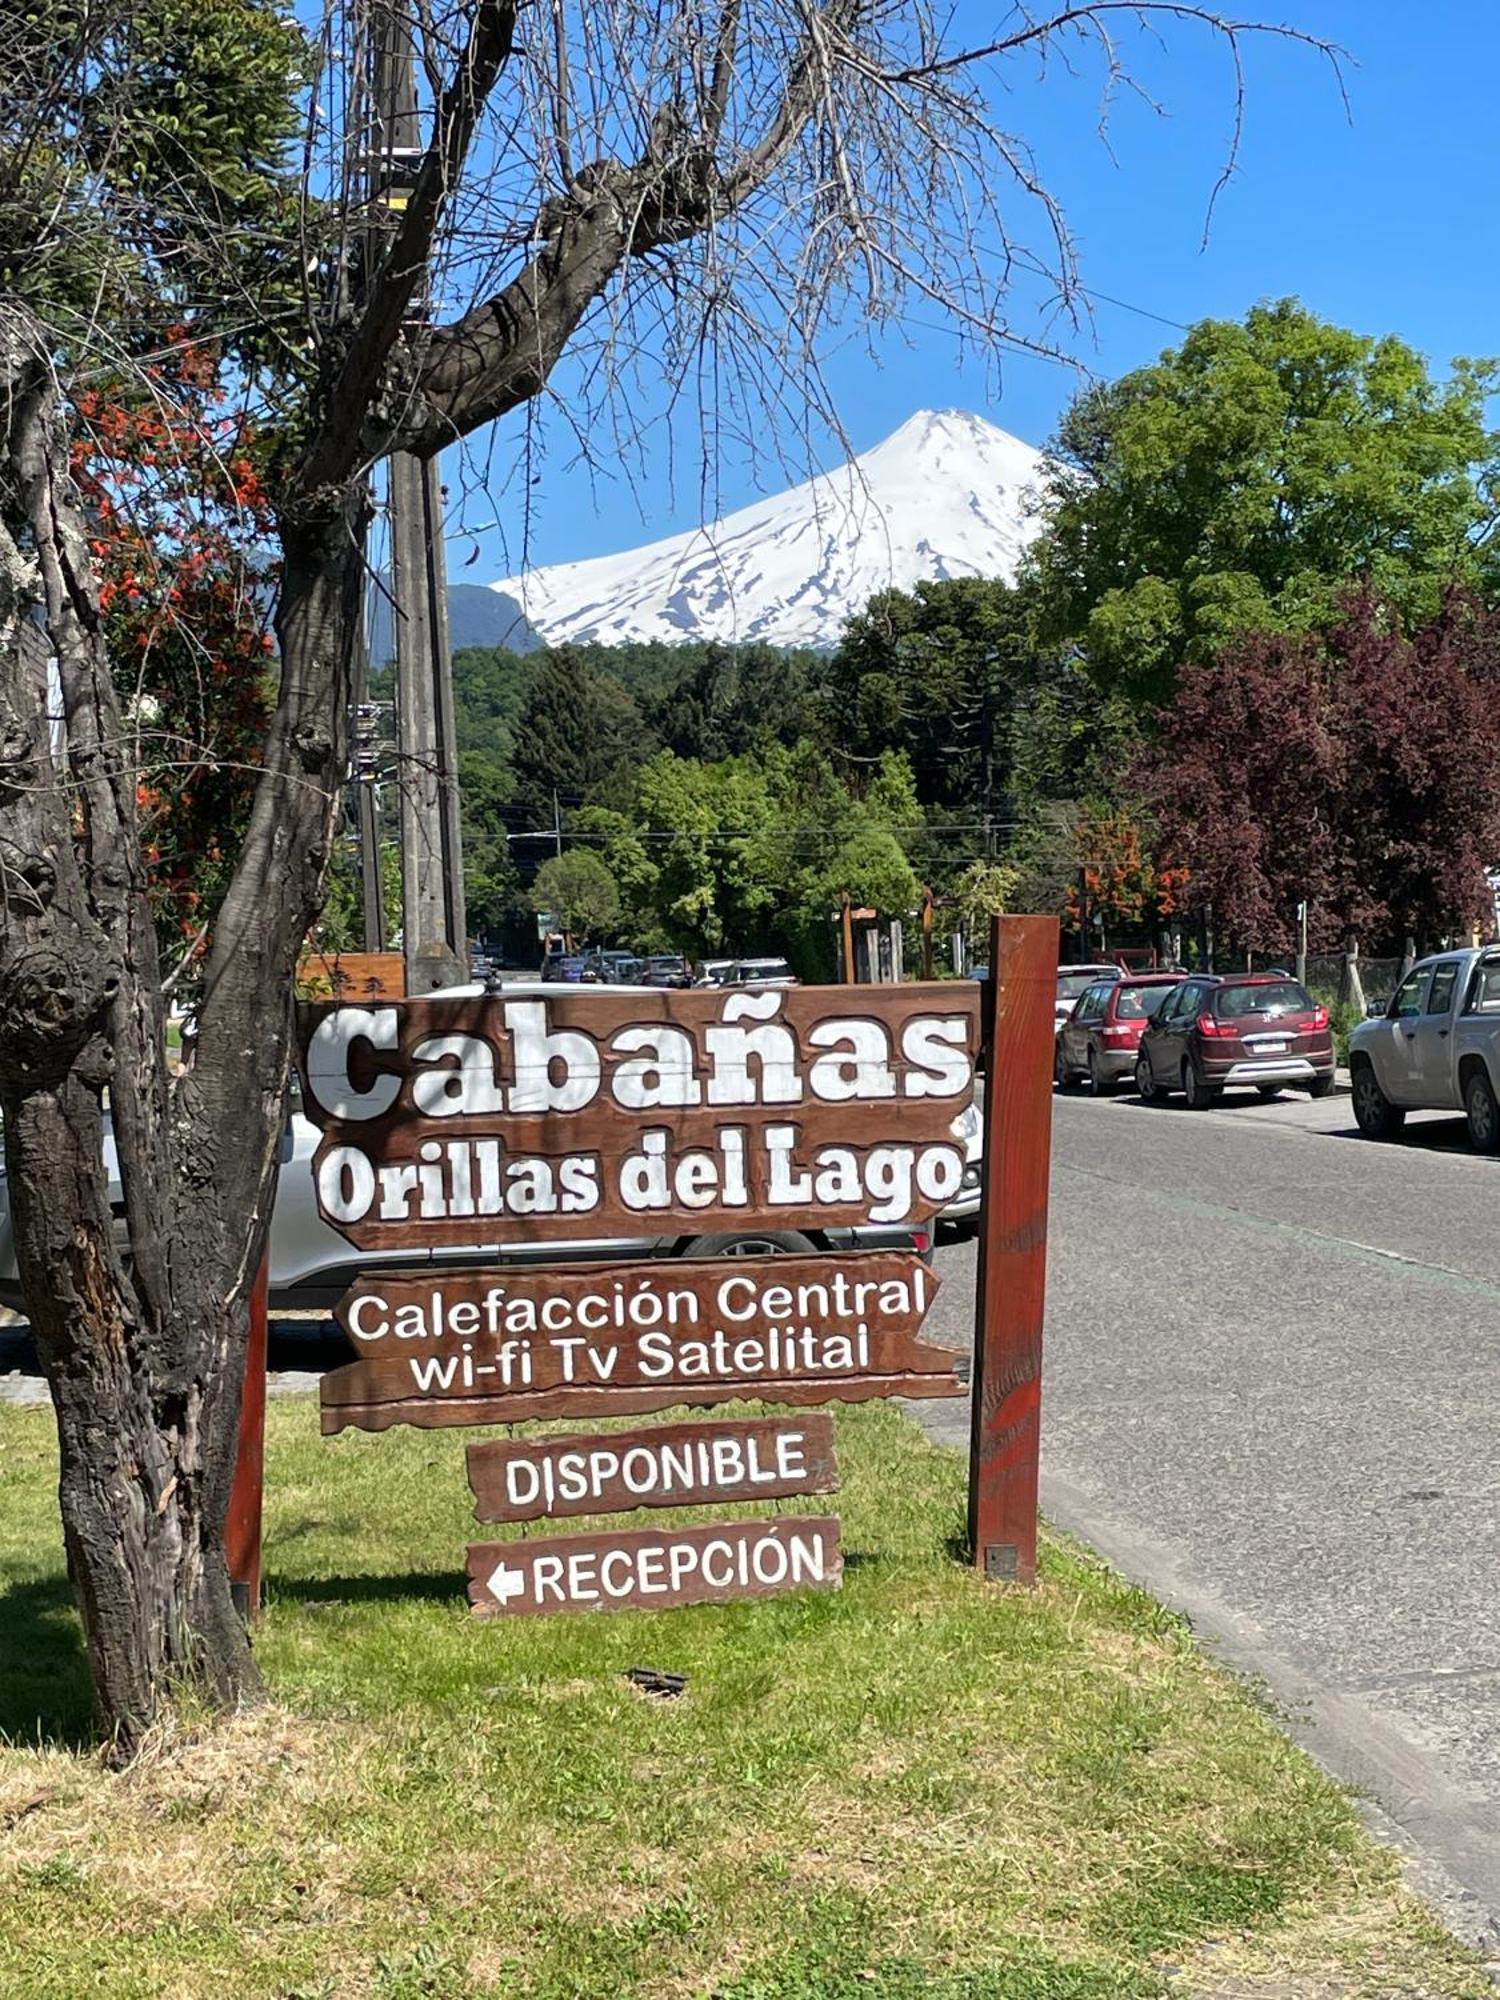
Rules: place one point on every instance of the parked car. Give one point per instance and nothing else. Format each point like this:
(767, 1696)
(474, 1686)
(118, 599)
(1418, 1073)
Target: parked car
(1099, 1039)
(1073, 981)
(1262, 1030)
(712, 971)
(1435, 1048)
(759, 972)
(312, 1266)
(619, 968)
(666, 968)
(563, 965)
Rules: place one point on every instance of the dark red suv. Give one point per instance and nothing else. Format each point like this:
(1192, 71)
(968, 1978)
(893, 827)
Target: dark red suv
(1261, 1030)
(1099, 1039)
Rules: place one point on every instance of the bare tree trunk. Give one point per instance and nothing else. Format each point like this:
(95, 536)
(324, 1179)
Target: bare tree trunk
(143, 1340)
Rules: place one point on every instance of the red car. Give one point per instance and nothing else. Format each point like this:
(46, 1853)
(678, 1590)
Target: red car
(1258, 1029)
(1099, 1039)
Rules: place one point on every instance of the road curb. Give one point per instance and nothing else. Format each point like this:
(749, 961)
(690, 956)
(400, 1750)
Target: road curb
(1450, 1845)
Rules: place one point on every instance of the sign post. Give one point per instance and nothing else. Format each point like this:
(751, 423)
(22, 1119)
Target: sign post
(1019, 1030)
(242, 1527)
(577, 1117)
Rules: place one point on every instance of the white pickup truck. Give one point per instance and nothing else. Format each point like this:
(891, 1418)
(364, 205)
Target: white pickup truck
(1435, 1048)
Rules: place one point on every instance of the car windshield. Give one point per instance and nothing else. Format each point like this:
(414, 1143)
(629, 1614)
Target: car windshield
(1071, 984)
(1139, 1003)
(1278, 996)
(766, 968)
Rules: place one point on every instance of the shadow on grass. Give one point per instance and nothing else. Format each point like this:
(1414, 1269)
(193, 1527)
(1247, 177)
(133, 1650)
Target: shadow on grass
(433, 1587)
(44, 1677)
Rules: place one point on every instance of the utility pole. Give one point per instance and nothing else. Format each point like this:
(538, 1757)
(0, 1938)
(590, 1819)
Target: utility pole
(556, 823)
(366, 736)
(434, 924)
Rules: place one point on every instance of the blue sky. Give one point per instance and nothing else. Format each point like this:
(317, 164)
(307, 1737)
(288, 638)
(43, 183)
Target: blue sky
(1383, 219)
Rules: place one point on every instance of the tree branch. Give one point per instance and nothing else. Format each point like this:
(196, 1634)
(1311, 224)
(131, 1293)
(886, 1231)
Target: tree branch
(407, 263)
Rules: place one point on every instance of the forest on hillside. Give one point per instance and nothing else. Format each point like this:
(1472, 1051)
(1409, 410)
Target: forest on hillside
(1253, 660)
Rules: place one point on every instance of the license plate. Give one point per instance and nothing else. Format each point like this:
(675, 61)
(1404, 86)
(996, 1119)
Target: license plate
(1270, 1048)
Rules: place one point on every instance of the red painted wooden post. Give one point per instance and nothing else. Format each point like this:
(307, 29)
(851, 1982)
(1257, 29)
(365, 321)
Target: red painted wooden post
(1011, 1292)
(242, 1529)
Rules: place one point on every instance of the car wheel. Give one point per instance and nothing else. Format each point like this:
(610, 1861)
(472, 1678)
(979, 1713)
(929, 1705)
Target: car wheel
(751, 1243)
(1199, 1095)
(1374, 1113)
(1321, 1086)
(1100, 1085)
(1482, 1112)
(1145, 1081)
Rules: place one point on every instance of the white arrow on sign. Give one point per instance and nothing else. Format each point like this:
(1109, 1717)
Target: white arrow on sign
(507, 1583)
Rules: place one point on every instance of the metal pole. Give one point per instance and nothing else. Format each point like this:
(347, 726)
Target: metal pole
(1302, 944)
(372, 887)
(432, 907)
(367, 812)
(556, 823)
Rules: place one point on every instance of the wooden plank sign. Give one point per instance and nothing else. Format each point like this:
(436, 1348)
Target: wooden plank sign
(655, 1568)
(669, 1465)
(560, 1117)
(619, 1339)
(352, 975)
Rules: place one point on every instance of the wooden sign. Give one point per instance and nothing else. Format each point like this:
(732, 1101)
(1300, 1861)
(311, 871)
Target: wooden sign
(619, 1339)
(576, 1115)
(352, 975)
(652, 1569)
(1005, 1436)
(669, 1465)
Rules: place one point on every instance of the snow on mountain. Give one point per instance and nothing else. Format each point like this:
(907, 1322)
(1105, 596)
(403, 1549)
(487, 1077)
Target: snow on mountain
(946, 495)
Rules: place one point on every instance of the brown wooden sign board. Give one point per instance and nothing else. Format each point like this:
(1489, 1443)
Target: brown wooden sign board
(655, 1568)
(667, 1465)
(548, 1118)
(352, 975)
(620, 1339)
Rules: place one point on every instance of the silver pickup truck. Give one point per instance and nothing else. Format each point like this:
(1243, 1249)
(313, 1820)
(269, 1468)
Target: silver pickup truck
(1435, 1048)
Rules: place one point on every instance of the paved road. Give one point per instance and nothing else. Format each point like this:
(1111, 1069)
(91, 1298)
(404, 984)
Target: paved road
(1272, 1394)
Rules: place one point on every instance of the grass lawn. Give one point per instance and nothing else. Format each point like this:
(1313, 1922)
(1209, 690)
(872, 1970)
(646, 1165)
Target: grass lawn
(921, 1787)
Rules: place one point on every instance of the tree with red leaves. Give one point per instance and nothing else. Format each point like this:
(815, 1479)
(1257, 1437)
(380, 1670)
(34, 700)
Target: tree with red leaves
(1358, 771)
(182, 538)
(1121, 880)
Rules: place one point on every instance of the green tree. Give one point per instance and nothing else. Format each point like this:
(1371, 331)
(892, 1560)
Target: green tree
(579, 733)
(737, 699)
(707, 823)
(579, 891)
(871, 867)
(983, 891)
(1240, 482)
(938, 673)
(341, 927)
(491, 880)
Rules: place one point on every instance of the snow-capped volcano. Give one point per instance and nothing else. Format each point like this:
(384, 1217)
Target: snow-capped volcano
(946, 495)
